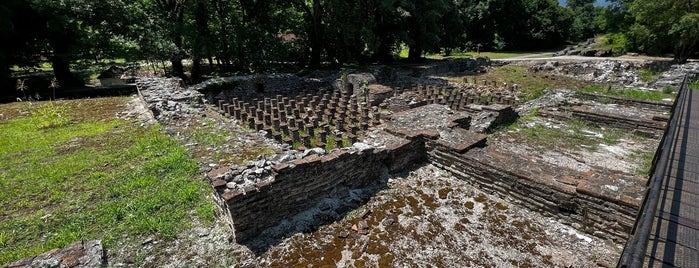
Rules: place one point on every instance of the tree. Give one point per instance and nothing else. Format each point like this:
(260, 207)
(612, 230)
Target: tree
(313, 11)
(421, 19)
(19, 26)
(585, 23)
(662, 26)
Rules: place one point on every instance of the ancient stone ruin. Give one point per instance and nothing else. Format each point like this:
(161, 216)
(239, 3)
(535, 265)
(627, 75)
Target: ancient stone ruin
(342, 139)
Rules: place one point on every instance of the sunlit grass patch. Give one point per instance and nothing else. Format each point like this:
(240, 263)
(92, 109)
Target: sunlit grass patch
(92, 178)
(532, 85)
(632, 93)
(572, 134)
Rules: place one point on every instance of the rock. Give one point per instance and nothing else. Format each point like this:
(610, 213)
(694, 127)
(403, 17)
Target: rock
(362, 146)
(260, 163)
(312, 151)
(343, 234)
(573, 52)
(365, 213)
(362, 225)
(603, 53)
(387, 222)
(588, 52)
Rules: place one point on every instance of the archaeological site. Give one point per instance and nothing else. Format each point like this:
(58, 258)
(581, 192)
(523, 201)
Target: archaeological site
(455, 163)
(437, 164)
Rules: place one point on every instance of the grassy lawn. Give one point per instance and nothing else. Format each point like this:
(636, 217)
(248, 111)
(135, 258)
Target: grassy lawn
(403, 54)
(70, 171)
(492, 55)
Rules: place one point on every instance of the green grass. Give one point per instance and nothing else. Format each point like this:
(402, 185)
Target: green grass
(491, 54)
(648, 75)
(532, 85)
(575, 135)
(631, 93)
(92, 179)
(694, 85)
(42, 66)
(404, 52)
(646, 158)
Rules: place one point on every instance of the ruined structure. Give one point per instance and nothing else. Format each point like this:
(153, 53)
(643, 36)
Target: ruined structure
(344, 140)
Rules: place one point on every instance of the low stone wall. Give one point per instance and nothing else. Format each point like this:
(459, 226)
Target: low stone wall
(648, 104)
(79, 254)
(299, 185)
(582, 203)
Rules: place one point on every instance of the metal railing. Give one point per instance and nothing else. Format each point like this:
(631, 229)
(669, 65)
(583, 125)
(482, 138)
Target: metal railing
(634, 252)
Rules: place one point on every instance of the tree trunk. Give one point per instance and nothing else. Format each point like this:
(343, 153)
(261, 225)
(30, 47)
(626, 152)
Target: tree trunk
(59, 62)
(415, 53)
(196, 69)
(315, 34)
(177, 67)
(682, 53)
(61, 69)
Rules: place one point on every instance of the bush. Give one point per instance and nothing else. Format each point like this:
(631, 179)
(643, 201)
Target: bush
(617, 41)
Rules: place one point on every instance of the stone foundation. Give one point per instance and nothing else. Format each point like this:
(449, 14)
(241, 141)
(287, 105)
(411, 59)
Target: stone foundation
(88, 254)
(540, 188)
(299, 185)
(428, 123)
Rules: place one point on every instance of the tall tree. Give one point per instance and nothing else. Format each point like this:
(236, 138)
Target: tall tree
(172, 13)
(665, 26)
(422, 18)
(313, 11)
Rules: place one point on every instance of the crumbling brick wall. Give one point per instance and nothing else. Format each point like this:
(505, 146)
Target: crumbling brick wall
(298, 185)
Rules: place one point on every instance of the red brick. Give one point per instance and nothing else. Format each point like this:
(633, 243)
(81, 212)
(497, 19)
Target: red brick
(312, 159)
(264, 183)
(280, 167)
(228, 196)
(216, 173)
(630, 201)
(429, 134)
(218, 183)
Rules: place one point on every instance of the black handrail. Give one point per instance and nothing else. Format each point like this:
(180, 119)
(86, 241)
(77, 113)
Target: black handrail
(634, 252)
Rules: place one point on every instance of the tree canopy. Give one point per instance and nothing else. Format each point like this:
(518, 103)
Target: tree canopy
(259, 35)
(656, 27)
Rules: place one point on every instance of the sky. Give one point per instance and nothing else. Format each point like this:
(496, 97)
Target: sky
(597, 3)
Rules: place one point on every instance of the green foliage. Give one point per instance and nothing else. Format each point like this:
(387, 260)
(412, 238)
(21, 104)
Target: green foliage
(50, 115)
(585, 19)
(662, 26)
(616, 42)
(649, 75)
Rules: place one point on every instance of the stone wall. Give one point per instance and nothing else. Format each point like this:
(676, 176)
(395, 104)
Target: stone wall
(257, 86)
(78, 254)
(299, 185)
(648, 104)
(580, 203)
